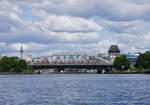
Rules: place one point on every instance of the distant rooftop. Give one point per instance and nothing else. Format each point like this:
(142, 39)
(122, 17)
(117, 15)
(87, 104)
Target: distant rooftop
(114, 49)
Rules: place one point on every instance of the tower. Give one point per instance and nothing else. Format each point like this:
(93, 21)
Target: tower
(21, 52)
(113, 52)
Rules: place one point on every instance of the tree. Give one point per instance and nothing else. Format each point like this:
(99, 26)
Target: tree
(143, 60)
(121, 62)
(12, 64)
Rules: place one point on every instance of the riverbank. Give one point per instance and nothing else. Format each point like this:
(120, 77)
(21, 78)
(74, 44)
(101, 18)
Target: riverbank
(112, 72)
(132, 71)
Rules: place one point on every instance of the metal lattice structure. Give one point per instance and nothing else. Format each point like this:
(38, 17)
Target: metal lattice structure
(69, 59)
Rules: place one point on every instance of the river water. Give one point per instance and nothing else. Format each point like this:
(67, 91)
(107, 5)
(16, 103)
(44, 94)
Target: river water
(75, 89)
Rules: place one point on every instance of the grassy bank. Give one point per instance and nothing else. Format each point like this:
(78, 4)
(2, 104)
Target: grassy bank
(132, 71)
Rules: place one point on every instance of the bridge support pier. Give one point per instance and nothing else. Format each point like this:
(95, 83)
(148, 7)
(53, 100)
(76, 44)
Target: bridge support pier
(99, 71)
(58, 70)
(37, 71)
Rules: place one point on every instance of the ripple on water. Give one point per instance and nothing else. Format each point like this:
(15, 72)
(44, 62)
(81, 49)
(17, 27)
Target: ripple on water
(74, 89)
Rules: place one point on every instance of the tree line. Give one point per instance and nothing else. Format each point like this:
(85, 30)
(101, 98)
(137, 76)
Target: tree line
(14, 65)
(143, 62)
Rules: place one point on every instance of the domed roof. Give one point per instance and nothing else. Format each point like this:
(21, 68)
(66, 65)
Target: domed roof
(114, 49)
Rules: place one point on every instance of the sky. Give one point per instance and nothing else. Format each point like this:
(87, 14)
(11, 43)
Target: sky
(44, 27)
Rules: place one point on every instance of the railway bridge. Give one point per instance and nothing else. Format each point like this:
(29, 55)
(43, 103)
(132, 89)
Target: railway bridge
(73, 62)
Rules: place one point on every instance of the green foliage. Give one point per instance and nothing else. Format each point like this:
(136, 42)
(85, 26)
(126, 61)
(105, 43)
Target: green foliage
(143, 60)
(117, 72)
(121, 62)
(12, 64)
(137, 70)
(29, 70)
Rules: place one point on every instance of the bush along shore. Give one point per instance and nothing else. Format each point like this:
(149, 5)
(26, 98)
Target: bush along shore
(123, 66)
(14, 65)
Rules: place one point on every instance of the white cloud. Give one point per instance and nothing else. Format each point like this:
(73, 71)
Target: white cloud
(69, 24)
(118, 9)
(26, 46)
(46, 26)
(147, 36)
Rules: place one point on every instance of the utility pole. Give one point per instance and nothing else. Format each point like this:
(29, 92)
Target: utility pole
(21, 52)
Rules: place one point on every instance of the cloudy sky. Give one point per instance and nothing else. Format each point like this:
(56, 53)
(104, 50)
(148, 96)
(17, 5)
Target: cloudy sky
(48, 26)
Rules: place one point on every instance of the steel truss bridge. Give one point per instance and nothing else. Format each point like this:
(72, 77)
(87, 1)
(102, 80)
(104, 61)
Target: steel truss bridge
(73, 60)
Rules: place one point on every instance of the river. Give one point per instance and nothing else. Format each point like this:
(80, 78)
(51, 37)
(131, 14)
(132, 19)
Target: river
(75, 89)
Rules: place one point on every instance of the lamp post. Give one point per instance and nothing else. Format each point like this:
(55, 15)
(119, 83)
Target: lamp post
(21, 52)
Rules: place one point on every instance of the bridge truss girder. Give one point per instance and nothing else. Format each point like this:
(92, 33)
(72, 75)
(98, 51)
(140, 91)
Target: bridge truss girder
(69, 59)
